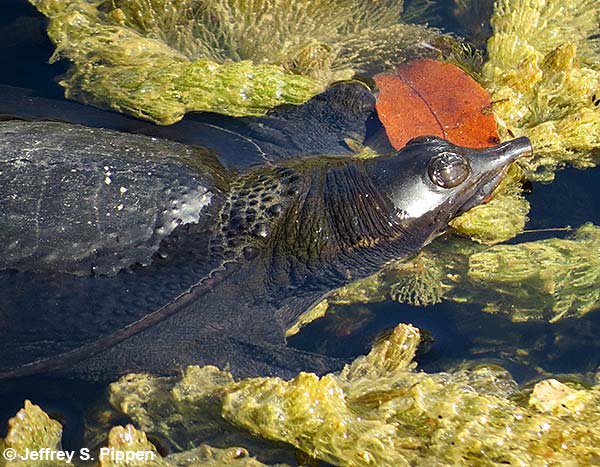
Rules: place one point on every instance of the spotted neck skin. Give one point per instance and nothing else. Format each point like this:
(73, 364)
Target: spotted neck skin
(316, 223)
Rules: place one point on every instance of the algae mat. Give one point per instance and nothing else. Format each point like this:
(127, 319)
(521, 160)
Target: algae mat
(379, 411)
(158, 59)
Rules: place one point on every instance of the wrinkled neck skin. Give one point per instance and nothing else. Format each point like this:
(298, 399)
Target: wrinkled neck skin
(326, 224)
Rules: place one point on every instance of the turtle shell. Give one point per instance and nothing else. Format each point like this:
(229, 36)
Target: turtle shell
(81, 200)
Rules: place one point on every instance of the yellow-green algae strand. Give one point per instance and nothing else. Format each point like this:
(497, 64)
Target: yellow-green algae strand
(33, 430)
(543, 73)
(379, 411)
(550, 279)
(501, 218)
(114, 66)
(158, 59)
(128, 439)
(547, 280)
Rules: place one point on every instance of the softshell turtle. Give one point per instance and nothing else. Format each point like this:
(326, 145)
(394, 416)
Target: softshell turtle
(126, 252)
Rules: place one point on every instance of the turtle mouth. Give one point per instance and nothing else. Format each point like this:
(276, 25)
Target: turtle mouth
(484, 190)
(491, 168)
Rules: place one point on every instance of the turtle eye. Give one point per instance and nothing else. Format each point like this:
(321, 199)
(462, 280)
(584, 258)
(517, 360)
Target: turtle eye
(448, 169)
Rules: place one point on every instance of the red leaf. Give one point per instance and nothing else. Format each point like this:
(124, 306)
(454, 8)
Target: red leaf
(426, 97)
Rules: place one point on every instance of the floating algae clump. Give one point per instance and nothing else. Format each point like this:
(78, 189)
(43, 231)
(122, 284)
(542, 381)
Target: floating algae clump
(377, 411)
(117, 67)
(543, 73)
(548, 279)
(554, 278)
(129, 440)
(419, 282)
(380, 411)
(159, 59)
(186, 411)
(31, 429)
(501, 219)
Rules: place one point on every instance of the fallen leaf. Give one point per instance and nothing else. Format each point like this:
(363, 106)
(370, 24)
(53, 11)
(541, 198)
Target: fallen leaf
(427, 97)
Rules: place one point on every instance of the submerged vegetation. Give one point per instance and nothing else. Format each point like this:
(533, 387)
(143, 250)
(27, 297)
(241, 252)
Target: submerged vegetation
(377, 411)
(547, 279)
(551, 278)
(502, 218)
(543, 72)
(158, 59)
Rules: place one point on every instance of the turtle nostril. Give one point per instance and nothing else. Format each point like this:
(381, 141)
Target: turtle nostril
(516, 148)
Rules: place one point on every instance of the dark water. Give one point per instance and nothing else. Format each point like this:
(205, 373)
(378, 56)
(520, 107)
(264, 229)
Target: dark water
(25, 50)
(455, 332)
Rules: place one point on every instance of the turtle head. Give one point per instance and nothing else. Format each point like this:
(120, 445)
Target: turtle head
(433, 181)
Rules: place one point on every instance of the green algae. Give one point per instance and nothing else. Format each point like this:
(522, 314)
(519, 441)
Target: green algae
(419, 282)
(116, 67)
(500, 219)
(377, 411)
(129, 439)
(543, 73)
(156, 404)
(549, 280)
(158, 59)
(380, 411)
(31, 429)
(182, 411)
